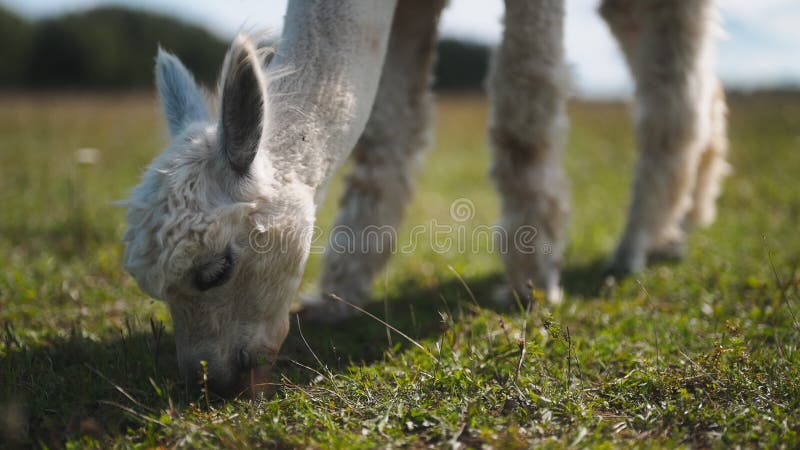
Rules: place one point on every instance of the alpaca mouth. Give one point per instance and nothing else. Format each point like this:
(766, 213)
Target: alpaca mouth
(254, 378)
(255, 382)
(258, 380)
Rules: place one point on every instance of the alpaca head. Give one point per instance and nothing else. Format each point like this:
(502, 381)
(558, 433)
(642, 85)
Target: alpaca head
(214, 230)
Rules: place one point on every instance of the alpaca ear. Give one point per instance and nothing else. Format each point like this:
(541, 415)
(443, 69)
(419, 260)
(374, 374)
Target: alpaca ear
(182, 100)
(242, 98)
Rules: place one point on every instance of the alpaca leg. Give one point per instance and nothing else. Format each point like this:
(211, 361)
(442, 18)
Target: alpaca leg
(622, 20)
(712, 167)
(671, 62)
(624, 23)
(527, 129)
(380, 184)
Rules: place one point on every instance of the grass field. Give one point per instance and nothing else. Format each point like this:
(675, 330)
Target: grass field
(704, 353)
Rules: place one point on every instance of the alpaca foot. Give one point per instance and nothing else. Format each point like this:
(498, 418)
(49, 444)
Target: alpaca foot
(555, 295)
(626, 261)
(324, 309)
(505, 297)
(670, 251)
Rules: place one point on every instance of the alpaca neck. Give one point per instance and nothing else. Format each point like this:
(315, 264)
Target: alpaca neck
(324, 78)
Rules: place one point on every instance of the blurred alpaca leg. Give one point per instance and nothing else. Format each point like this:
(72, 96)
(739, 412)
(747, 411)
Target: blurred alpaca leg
(670, 50)
(528, 86)
(712, 167)
(380, 183)
(621, 18)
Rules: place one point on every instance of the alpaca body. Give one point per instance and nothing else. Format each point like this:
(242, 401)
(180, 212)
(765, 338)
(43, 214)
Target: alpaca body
(220, 226)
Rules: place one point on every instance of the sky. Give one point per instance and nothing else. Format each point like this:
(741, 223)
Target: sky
(760, 45)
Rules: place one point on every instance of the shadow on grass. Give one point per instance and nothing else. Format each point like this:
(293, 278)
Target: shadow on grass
(586, 280)
(77, 384)
(417, 311)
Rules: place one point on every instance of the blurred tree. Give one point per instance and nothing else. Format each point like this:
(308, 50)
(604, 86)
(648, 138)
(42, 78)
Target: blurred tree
(461, 65)
(115, 47)
(15, 35)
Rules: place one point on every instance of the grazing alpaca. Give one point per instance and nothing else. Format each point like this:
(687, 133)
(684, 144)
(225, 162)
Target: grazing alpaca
(220, 226)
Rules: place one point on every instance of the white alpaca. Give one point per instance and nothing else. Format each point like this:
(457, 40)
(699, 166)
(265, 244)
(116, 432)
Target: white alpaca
(219, 227)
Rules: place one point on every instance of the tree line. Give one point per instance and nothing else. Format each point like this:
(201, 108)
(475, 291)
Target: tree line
(114, 48)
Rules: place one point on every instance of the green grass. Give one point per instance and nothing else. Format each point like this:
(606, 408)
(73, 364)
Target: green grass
(699, 354)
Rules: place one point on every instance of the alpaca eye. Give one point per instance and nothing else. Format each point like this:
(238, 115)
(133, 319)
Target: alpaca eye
(214, 273)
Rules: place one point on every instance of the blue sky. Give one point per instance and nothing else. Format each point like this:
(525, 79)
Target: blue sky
(760, 46)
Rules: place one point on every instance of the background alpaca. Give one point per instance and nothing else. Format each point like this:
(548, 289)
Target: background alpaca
(680, 126)
(265, 163)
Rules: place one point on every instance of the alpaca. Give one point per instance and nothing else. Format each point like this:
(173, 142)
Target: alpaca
(681, 131)
(220, 226)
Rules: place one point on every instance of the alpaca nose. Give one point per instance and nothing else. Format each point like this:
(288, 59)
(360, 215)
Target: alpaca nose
(216, 375)
(238, 375)
(254, 371)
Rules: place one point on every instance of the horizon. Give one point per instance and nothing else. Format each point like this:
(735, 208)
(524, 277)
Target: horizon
(751, 52)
